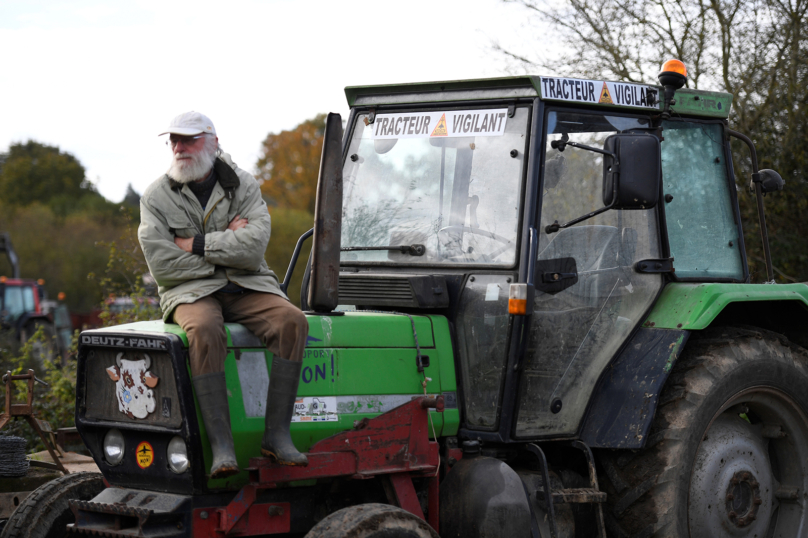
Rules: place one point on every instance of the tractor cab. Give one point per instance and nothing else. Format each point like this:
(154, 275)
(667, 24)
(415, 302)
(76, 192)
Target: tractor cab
(462, 197)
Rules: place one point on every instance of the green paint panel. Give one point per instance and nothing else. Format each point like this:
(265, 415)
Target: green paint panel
(373, 375)
(360, 329)
(695, 306)
(156, 326)
(699, 103)
(354, 329)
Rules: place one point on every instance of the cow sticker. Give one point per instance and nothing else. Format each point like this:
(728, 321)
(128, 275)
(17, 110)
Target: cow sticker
(133, 386)
(144, 455)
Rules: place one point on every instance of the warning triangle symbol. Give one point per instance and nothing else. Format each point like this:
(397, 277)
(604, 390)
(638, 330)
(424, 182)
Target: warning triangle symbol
(440, 128)
(605, 96)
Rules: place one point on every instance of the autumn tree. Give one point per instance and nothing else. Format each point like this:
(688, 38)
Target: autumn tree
(753, 49)
(290, 164)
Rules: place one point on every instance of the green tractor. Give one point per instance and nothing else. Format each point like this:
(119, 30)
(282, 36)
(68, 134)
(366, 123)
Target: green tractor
(530, 315)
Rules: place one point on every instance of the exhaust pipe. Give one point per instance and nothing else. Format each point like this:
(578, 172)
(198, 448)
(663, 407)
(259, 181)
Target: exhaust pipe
(324, 283)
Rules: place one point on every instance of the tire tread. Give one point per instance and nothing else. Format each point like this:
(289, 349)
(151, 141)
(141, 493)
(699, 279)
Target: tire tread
(35, 516)
(641, 484)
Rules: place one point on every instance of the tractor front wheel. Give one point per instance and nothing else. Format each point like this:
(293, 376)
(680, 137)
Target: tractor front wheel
(45, 513)
(728, 450)
(372, 521)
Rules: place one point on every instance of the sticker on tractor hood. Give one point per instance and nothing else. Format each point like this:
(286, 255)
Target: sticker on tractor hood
(133, 384)
(452, 123)
(317, 409)
(599, 92)
(144, 455)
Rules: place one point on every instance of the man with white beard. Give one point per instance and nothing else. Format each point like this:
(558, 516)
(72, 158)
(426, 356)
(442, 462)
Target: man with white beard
(204, 229)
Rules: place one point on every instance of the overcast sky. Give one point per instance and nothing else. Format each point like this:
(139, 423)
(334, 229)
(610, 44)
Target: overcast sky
(102, 79)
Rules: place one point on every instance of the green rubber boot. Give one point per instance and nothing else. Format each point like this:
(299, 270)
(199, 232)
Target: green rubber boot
(277, 443)
(211, 394)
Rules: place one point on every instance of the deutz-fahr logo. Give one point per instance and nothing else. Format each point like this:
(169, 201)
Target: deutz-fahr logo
(124, 341)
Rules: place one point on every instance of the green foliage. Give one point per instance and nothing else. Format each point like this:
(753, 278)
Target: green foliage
(38, 173)
(127, 298)
(55, 219)
(62, 251)
(290, 165)
(55, 403)
(287, 227)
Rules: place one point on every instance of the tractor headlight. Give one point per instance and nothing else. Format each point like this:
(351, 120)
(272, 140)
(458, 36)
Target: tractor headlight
(177, 455)
(113, 446)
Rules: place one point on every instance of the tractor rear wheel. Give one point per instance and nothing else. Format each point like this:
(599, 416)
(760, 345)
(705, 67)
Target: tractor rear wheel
(372, 521)
(728, 451)
(45, 513)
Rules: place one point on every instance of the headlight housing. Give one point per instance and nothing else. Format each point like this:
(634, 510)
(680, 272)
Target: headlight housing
(177, 455)
(114, 446)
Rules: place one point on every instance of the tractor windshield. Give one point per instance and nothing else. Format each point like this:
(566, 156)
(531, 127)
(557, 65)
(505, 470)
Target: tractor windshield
(434, 187)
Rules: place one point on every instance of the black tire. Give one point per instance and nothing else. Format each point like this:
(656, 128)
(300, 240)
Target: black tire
(729, 386)
(372, 521)
(45, 513)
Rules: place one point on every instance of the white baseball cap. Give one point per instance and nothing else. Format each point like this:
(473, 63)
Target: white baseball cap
(190, 123)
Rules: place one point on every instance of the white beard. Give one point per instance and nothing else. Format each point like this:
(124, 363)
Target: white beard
(193, 169)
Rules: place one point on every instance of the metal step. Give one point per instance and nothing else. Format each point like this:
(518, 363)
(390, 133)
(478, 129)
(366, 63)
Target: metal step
(591, 495)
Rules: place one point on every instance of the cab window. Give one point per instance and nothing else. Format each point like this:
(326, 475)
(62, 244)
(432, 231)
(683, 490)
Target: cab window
(702, 229)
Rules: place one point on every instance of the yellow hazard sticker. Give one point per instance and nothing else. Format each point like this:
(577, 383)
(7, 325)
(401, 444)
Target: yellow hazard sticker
(144, 455)
(440, 128)
(605, 96)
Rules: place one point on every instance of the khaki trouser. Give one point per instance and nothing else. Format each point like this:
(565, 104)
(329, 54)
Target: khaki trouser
(280, 325)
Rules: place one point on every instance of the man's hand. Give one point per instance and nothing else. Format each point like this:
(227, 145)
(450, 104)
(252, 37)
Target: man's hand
(186, 244)
(237, 223)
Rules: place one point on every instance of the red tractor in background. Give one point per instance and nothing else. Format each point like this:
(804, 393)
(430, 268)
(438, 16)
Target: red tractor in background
(24, 307)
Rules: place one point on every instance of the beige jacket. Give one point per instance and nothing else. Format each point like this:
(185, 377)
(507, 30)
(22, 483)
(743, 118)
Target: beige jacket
(230, 256)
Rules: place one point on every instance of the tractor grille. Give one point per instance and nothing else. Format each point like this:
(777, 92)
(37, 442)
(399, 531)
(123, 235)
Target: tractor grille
(382, 291)
(414, 291)
(102, 397)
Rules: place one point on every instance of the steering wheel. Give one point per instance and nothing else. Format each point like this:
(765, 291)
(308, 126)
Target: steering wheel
(479, 231)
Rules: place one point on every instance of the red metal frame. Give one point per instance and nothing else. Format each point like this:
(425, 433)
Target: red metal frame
(395, 444)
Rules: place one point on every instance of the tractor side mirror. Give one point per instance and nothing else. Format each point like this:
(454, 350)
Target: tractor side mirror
(631, 171)
(632, 164)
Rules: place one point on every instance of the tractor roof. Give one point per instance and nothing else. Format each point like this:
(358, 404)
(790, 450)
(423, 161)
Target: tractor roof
(581, 91)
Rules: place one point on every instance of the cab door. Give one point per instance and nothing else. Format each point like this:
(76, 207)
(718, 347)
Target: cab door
(589, 298)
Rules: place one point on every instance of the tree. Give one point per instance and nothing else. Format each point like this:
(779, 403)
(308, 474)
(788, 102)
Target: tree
(132, 197)
(34, 172)
(290, 165)
(753, 49)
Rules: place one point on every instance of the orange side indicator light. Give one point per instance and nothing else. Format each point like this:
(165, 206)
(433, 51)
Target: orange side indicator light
(520, 299)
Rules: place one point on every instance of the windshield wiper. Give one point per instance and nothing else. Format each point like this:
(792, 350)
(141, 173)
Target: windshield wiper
(414, 250)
